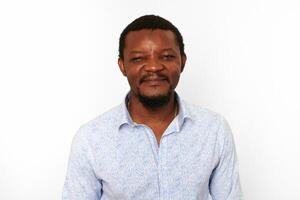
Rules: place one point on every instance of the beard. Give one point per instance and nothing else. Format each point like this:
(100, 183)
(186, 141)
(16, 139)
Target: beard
(154, 102)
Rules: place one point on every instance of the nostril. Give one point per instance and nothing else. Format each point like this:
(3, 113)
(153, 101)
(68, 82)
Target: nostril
(153, 67)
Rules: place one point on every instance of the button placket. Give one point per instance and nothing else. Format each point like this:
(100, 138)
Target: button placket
(162, 166)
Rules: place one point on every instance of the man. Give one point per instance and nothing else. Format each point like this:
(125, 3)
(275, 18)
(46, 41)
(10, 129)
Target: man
(154, 145)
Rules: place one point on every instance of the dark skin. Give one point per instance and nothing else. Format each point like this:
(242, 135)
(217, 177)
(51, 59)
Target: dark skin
(152, 64)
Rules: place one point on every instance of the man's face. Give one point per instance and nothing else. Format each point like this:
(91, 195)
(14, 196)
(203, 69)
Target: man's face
(152, 62)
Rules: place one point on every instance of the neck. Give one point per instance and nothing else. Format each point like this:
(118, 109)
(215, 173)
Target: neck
(145, 115)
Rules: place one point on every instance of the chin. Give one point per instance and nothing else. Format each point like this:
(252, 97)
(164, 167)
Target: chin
(154, 99)
(155, 91)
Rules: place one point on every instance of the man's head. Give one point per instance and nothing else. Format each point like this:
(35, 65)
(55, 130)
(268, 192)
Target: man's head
(151, 56)
(151, 22)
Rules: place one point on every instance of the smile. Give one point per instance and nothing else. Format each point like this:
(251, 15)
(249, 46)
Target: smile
(153, 81)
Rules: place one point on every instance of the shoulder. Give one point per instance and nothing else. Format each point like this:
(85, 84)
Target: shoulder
(202, 115)
(106, 122)
(206, 119)
(210, 122)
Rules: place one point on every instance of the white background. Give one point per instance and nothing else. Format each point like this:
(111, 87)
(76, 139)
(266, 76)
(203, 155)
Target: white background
(59, 70)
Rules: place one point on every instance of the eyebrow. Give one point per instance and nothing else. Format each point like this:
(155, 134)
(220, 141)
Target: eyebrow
(136, 52)
(142, 52)
(168, 49)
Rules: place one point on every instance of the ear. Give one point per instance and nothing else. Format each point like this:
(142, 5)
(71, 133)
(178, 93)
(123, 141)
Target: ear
(183, 60)
(122, 66)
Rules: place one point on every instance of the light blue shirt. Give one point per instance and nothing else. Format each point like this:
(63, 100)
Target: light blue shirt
(113, 158)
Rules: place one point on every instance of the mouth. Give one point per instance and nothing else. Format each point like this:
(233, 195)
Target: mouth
(153, 81)
(153, 78)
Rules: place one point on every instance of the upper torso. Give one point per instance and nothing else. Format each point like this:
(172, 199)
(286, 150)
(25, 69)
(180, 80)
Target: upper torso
(130, 164)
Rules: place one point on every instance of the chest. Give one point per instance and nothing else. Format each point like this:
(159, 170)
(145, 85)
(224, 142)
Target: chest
(137, 167)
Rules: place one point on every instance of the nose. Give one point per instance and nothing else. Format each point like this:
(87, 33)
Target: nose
(153, 65)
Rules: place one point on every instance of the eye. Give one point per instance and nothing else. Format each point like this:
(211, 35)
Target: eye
(168, 57)
(136, 59)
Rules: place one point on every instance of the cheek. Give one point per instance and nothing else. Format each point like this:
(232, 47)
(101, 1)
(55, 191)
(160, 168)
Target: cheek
(133, 79)
(174, 79)
(175, 74)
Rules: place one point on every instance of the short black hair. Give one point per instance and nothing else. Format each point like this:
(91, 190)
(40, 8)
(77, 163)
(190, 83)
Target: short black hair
(150, 22)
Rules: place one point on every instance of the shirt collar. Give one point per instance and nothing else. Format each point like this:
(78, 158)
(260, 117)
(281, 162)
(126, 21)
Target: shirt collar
(125, 116)
(125, 119)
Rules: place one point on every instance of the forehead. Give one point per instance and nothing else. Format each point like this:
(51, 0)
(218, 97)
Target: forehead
(145, 37)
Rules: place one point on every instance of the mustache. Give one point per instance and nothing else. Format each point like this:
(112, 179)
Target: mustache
(154, 76)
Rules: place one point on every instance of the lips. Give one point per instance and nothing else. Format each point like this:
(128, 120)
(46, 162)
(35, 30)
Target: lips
(153, 79)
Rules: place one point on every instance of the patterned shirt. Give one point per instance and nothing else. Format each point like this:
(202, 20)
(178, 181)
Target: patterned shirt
(114, 158)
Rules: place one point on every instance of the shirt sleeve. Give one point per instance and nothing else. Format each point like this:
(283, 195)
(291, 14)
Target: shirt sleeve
(81, 182)
(224, 181)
